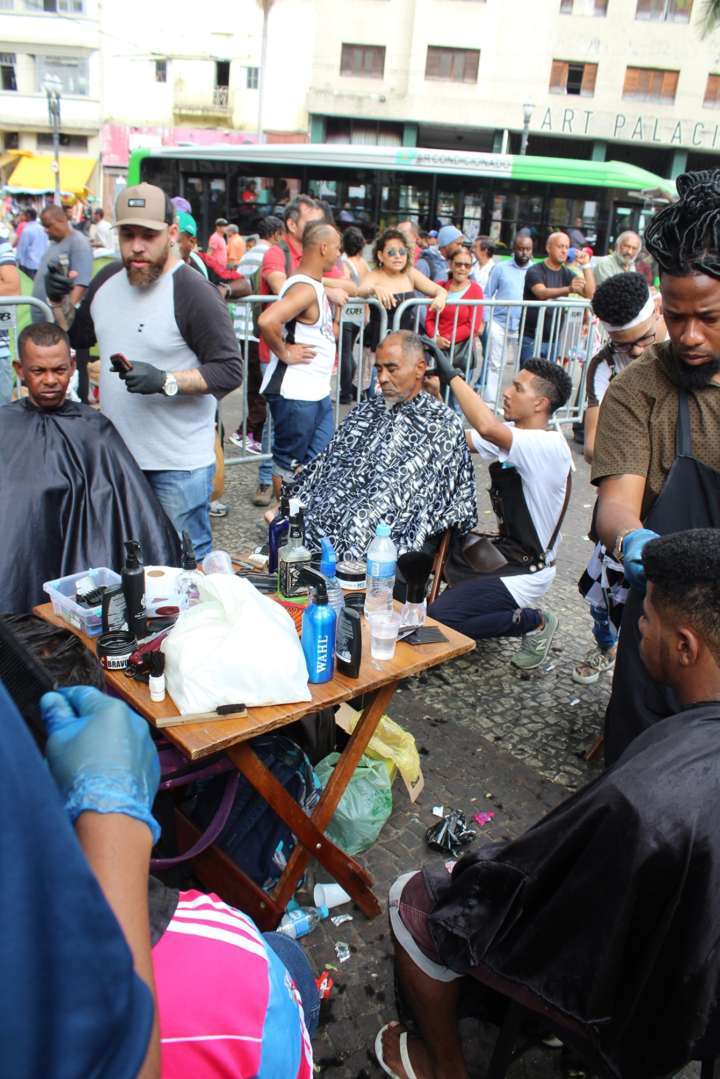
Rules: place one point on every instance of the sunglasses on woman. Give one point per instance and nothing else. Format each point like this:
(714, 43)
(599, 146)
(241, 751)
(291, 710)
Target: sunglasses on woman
(394, 251)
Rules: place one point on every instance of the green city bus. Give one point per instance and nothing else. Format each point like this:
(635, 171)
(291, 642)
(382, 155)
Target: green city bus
(487, 194)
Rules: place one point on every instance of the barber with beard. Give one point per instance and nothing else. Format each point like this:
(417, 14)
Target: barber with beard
(176, 332)
(657, 451)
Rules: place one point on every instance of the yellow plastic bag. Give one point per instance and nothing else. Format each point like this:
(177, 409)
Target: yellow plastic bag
(391, 744)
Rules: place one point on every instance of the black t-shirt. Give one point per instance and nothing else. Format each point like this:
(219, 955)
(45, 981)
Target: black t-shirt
(541, 274)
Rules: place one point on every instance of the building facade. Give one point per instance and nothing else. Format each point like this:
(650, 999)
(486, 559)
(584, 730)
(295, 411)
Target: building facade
(628, 80)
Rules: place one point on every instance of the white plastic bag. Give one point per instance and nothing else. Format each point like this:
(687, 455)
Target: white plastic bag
(234, 646)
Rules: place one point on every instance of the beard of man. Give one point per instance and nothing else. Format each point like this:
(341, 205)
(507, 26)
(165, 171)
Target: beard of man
(692, 378)
(146, 275)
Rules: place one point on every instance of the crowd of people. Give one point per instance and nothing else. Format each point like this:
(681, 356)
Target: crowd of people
(603, 914)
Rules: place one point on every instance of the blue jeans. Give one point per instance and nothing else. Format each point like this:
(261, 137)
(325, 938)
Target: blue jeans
(265, 467)
(603, 630)
(184, 497)
(296, 962)
(301, 430)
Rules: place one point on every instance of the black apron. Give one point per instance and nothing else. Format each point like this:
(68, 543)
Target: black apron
(690, 498)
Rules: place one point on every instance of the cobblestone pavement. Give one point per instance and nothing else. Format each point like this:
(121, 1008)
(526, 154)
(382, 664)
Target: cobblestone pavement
(488, 739)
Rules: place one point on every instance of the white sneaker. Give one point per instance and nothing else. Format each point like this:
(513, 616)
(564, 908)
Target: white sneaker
(596, 662)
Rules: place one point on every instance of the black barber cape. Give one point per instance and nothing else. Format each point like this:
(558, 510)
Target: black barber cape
(608, 909)
(70, 494)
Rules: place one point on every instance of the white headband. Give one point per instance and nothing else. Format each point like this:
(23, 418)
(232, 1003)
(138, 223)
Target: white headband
(644, 313)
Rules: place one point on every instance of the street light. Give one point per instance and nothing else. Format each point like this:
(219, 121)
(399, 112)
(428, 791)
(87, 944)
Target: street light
(52, 87)
(527, 117)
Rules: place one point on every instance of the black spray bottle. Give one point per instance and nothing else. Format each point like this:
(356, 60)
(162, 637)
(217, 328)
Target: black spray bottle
(133, 586)
(348, 642)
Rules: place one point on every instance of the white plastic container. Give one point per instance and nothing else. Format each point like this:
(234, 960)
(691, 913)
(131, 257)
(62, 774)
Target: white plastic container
(62, 597)
(381, 563)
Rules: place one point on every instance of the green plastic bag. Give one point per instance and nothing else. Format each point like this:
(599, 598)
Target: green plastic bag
(363, 808)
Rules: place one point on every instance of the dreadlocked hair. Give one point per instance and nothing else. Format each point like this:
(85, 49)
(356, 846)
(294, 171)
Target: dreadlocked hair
(684, 238)
(621, 298)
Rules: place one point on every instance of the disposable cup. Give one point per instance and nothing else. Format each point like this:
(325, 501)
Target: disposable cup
(217, 562)
(330, 895)
(384, 626)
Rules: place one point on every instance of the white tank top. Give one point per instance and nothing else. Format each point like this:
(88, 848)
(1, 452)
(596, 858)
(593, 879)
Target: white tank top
(304, 381)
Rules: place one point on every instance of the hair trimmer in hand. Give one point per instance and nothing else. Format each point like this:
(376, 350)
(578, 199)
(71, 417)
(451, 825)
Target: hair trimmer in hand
(120, 363)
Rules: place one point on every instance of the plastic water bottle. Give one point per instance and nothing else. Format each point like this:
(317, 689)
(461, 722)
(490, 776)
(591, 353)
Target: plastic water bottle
(300, 922)
(381, 562)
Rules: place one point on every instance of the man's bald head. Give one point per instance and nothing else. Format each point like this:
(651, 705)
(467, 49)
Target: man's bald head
(401, 366)
(557, 247)
(317, 233)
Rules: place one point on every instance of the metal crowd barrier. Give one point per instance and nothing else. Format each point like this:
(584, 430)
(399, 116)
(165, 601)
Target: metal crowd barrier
(573, 340)
(8, 324)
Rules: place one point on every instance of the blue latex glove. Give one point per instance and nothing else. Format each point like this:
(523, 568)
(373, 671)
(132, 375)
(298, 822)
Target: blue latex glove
(632, 547)
(101, 755)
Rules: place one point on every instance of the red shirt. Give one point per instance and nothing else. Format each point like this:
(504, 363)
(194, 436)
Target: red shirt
(464, 315)
(274, 261)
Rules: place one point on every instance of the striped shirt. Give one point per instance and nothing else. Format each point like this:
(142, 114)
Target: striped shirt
(226, 1003)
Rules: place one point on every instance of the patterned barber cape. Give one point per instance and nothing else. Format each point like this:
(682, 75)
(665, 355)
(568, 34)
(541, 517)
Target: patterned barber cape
(408, 466)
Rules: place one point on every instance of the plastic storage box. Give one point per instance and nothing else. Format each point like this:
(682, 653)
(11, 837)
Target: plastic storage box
(62, 597)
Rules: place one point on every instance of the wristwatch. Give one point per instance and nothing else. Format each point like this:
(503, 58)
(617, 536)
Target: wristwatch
(617, 551)
(170, 385)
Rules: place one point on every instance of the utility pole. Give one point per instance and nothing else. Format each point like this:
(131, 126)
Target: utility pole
(265, 6)
(52, 91)
(527, 117)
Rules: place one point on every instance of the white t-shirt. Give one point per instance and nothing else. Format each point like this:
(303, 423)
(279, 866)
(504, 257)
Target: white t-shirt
(305, 381)
(542, 459)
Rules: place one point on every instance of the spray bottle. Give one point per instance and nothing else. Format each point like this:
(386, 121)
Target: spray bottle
(328, 566)
(133, 586)
(187, 581)
(319, 623)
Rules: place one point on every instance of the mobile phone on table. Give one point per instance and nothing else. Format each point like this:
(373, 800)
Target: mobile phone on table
(119, 362)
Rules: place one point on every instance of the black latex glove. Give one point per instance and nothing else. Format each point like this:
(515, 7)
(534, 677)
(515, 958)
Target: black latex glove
(439, 362)
(144, 378)
(57, 282)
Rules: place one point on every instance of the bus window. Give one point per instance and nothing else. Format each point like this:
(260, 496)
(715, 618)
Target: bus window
(472, 214)
(400, 201)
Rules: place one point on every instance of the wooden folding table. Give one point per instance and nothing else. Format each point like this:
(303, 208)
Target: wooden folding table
(379, 680)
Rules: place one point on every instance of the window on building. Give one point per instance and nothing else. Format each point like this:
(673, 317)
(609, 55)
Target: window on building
(73, 73)
(222, 73)
(62, 7)
(712, 92)
(161, 71)
(252, 78)
(452, 65)
(568, 77)
(7, 5)
(583, 7)
(650, 84)
(664, 10)
(363, 61)
(7, 71)
(78, 143)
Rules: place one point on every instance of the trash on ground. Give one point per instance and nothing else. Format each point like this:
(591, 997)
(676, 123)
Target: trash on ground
(438, 811)
(342, 951)
(338, 919)
(483, 818)
(450, 834)
(324, 985)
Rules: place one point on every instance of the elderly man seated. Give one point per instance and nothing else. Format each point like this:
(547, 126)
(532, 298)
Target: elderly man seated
(70, 491)
(400, 457)
(605, 913)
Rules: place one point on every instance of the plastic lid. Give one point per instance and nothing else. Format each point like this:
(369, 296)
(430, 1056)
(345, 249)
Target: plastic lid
(323, 911)
(328, 561)
(382, 530)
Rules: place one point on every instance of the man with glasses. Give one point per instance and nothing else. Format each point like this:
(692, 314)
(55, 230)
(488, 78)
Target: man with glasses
(627, 312)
